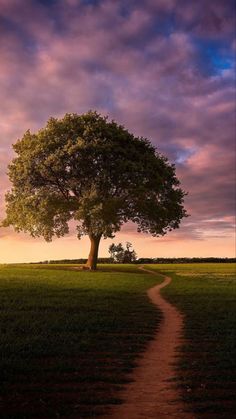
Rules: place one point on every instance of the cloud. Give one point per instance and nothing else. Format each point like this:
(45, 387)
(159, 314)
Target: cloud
(144, 66)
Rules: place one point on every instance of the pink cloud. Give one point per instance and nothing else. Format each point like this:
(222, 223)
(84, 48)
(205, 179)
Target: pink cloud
(71, 59)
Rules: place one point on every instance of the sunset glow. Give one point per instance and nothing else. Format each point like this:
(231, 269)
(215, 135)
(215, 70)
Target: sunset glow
(163, 69)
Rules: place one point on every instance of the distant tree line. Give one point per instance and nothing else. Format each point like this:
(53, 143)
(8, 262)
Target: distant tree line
(186, 260)
(145, 260)
(72, 261)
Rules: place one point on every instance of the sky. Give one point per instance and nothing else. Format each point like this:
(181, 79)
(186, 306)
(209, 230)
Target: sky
(165, 69)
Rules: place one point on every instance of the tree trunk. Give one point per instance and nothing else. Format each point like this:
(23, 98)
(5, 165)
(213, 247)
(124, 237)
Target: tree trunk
(93, 254)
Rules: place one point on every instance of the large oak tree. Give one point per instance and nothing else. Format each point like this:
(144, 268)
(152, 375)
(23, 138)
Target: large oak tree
(91, 170)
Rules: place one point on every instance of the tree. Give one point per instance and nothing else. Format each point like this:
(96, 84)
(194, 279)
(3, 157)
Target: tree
(120, 254)
(129, 254)
(116, 251)
(91, 170)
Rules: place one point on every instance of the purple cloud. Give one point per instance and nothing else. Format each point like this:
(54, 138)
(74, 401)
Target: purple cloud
(143, 65)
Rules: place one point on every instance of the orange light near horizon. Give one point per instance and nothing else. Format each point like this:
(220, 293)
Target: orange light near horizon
(23, 250)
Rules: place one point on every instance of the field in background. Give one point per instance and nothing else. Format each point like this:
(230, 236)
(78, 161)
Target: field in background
(206, 295)
(69, 339)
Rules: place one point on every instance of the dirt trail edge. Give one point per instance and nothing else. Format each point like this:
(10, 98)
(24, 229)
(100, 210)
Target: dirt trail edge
(151, 394)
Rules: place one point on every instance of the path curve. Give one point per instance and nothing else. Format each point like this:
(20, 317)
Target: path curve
(151, 395)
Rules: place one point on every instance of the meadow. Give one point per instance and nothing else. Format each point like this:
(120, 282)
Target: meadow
(206, 367)
(70, 339)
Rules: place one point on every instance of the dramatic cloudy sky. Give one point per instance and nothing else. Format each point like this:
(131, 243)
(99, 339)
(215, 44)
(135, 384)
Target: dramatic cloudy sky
(163, 68)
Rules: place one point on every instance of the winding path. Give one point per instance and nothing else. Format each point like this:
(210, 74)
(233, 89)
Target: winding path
(152, 394)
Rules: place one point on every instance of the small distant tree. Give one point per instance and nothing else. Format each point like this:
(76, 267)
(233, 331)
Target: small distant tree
(122, 254)
(91, 170)
(129, 254)
(117, 252)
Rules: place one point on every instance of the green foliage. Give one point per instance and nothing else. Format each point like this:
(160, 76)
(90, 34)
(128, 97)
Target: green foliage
(69, 339)
(85, 168)
(122, 254)
(206, 295)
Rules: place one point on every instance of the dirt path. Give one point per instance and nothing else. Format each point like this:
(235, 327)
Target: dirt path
(151, 395)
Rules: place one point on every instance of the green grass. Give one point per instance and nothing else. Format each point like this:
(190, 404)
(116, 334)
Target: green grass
(206, 295)
(69, 339)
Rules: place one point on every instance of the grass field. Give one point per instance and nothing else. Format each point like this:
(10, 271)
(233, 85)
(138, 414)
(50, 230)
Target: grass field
(69, 339)
(206, 294)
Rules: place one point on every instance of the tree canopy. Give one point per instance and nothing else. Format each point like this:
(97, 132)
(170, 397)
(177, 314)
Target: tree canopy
(121, 254)
(92, 170)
